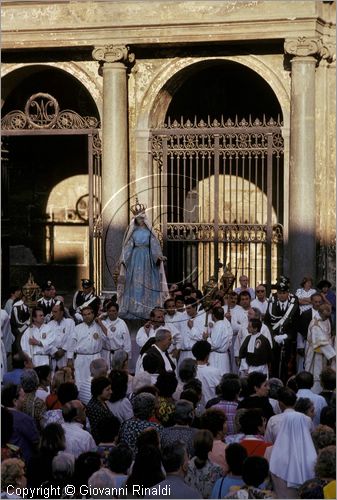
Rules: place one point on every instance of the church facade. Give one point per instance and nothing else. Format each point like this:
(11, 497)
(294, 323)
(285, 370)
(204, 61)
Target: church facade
(219, 116)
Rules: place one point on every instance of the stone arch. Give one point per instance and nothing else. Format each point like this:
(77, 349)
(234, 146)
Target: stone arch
(81, 74)
(167, 81)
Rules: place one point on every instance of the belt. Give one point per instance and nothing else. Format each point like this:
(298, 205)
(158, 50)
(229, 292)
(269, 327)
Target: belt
(186, 350)
(110, 350)
(88, 353)
(221, 352)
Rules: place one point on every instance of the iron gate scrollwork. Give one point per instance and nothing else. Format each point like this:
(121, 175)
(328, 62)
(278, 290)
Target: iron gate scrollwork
(42, 116)
(219, 193)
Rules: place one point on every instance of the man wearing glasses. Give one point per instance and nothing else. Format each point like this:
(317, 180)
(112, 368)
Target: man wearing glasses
(260, 302)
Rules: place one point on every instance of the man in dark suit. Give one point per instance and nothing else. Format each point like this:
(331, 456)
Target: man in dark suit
(282, 319)
(157, 359)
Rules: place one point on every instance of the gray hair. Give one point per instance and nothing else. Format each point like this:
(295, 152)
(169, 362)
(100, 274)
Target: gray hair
(118, 359)
(29, 380)
(161, 334)
(98, 367)
(258, 313)
(63, 466)
(275, 384)
(143, 405)
(187, 369)
(102, 478)
(184, 412)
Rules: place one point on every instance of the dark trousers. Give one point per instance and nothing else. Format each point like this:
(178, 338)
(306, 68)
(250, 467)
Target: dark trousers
(283, 363)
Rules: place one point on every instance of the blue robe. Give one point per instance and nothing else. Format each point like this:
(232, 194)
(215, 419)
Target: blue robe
(142, 288)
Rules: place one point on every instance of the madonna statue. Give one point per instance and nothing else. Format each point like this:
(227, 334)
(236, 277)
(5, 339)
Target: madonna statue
(142, 282)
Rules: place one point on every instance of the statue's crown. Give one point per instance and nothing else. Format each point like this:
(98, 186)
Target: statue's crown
(138, 208)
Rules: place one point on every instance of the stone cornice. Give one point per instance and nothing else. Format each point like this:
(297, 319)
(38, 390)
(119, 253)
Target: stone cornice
(305, 46)
(113, 53)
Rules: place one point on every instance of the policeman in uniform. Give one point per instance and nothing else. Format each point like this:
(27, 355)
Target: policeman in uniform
(47, 301)
(282, 319)
(83, 298)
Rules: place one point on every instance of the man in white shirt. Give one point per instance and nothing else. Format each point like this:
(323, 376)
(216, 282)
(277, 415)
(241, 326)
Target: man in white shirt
(192, 329)
(208, 375)
(220, 337)
(62, 330)
(77, 439)
(86, 343)
(305, 381)
(117, 334)
(260, 302)
(37, 340)
(157, 320)
(286, 399)
(244, 287)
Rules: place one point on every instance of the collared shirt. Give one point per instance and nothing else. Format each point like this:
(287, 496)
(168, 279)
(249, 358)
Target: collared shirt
(319, 403)
(62, 331)
(77, 439)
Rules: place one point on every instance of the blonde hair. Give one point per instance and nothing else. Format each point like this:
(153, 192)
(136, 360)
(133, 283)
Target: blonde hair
(12, 469)
(61, 376)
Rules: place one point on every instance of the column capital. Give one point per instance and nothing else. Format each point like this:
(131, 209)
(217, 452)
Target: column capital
(304, 46)
(113, 54)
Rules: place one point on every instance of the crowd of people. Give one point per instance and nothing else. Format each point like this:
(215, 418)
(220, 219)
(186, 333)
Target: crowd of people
(232, 395)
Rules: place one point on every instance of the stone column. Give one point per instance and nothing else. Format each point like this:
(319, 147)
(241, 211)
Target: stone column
(114, 61)
(302, 195)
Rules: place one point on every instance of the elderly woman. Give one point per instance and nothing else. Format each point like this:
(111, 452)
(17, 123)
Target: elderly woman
(181, 430)
(120, 361)
(144, 405)
(142, 282)
(32, 405)
(305, 406)
(323, 436)
(97, 408)
(12, 476)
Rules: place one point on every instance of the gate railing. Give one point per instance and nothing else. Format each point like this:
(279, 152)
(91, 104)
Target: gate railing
(220, 185)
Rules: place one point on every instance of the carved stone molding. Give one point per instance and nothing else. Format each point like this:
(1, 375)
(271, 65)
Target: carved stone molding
(113, 53)
(303, 47)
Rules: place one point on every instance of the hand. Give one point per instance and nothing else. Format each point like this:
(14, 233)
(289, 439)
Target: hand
(190, 323)
(147, 327)
(228, 316)
(70, 363)
(205, 335)
(59, 354)
(279, 339)
(33, 341)
(163, 258)
(98, 320)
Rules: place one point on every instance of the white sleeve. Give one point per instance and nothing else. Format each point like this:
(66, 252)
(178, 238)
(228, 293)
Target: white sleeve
(142, 337)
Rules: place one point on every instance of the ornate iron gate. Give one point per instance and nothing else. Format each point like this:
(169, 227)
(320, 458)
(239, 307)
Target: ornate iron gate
(42, 116)
(219, 193)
